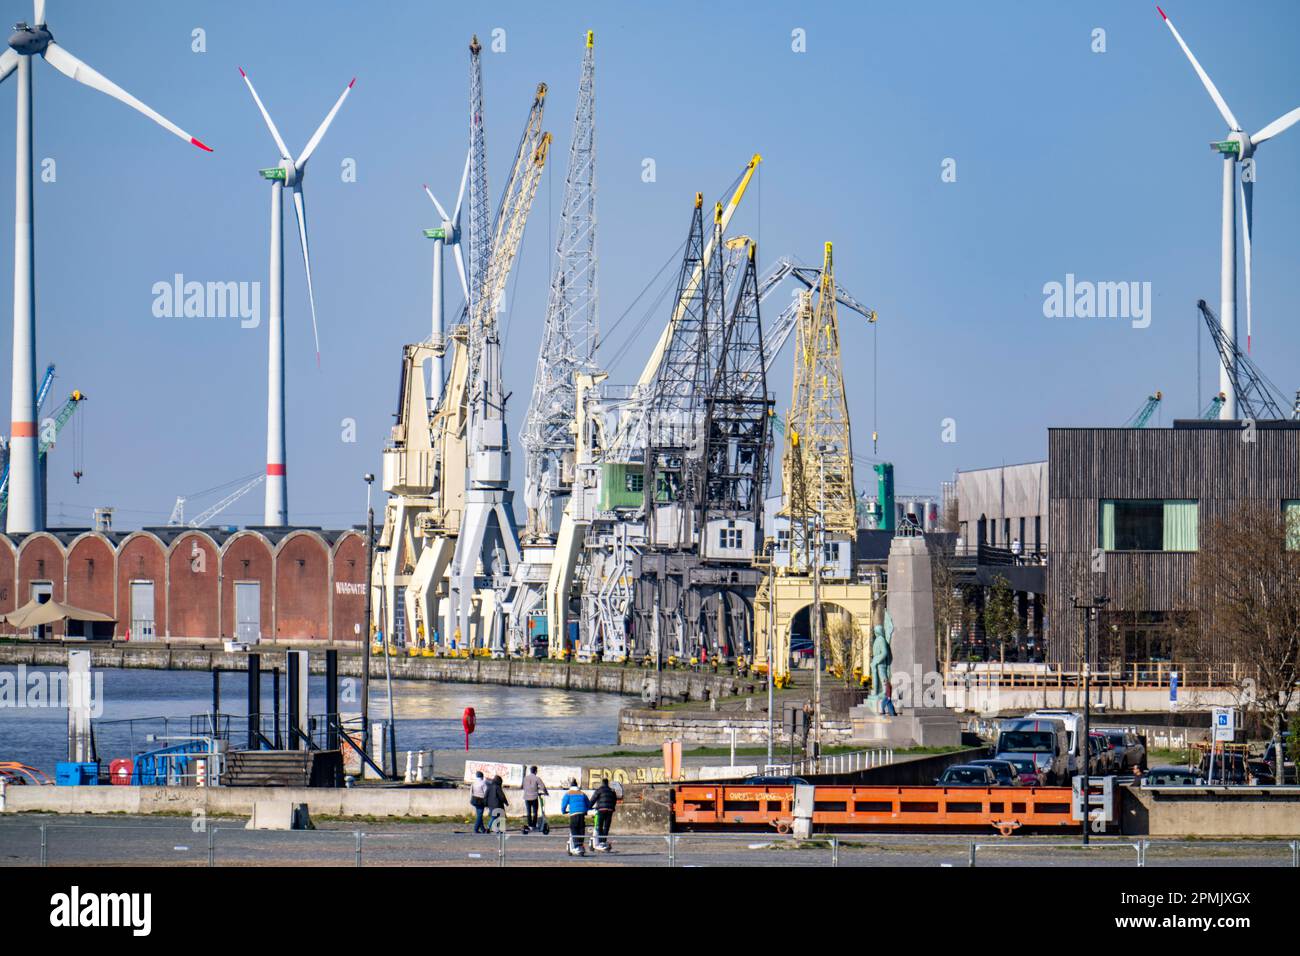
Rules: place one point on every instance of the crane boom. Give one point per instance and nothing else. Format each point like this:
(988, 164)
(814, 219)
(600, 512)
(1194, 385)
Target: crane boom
(226, 502)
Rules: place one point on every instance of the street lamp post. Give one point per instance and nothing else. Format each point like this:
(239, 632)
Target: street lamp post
(1090, 608)
(365, 652)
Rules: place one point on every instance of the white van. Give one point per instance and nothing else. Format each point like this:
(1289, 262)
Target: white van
(1045, 740)
(1073, 723)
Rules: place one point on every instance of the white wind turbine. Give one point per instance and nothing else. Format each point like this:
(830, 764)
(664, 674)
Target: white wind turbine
(29, 41)
(1237, 148)
(289, 173)
(446, 234)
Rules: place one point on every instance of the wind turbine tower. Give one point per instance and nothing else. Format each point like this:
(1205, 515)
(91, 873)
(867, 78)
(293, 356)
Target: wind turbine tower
(288, 174)
(27, 41)
(1237, 149)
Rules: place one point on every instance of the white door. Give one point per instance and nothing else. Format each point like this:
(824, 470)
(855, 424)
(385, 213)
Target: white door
(142, 620)
(248, 611)
(43, 591)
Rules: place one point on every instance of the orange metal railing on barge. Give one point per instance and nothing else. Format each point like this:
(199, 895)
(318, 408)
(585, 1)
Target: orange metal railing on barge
(707, 805)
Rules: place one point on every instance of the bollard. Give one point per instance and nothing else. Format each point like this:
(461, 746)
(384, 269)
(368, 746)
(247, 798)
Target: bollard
(501, 847)
(672, 849)
(212, 846)
(835, 851)
(358, 836)
(1142, 852)
(1295, 853)
(44, 853)
(972, 855)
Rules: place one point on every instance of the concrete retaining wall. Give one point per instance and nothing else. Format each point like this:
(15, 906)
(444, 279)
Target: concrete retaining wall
(706, 728)
(611, 679)
(1203, 812)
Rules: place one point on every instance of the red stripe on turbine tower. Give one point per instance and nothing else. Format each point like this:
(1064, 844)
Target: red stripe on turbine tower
(275, 469)
(23, 430)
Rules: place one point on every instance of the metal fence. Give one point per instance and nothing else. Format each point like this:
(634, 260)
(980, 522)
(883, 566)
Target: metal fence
(197, 845)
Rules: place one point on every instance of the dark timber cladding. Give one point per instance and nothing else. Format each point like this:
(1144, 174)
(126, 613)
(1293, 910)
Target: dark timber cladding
(1214, 463)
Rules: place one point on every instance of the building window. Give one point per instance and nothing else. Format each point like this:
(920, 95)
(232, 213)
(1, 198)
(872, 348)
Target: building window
(1148, 524)
(1038, 532)
(1291, 516)
(830, 552)
(731, 538)
(635, 482)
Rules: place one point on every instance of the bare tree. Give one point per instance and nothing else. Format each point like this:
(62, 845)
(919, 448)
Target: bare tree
(1246, 586)
(949, 603)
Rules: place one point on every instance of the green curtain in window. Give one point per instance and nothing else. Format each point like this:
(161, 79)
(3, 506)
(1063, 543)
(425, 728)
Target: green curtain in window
(1291, 514)
(1107, 525)
(1180, 520)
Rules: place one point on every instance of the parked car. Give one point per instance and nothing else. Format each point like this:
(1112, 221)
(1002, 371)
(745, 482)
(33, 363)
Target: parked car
(1227, 769)
(1288, 766)
(1044, 740)
(1072, 721)
(1259, 773)
(1100, 762)
(1128, 752)
(1167, 776)
(1029, 775)
(1005, 771)
(967, 775)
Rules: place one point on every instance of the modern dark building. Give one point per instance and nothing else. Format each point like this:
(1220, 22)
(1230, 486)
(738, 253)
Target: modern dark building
(1134, 501)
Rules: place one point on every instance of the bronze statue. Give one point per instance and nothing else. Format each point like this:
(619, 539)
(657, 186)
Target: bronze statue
(882, 657)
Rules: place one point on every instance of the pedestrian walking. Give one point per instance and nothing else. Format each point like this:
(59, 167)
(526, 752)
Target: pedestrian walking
(534, 790)
(575, 805)
(496, 805)
(605, 800)
(478, 800)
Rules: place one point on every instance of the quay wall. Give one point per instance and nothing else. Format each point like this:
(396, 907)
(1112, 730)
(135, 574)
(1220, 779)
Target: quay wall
(602, 678)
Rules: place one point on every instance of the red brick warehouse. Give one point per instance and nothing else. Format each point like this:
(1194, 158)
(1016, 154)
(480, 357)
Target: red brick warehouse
(199, 584)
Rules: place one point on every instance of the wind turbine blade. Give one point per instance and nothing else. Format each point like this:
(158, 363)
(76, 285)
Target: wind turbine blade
(1279, 125)
(441, 212)
(301, 210)
(460, 196)
(1247, 227)
(270, 123)
(40, 12)
(312, 143)
(71, 67)
(8, 63)
(460, 270)
(1205, 77)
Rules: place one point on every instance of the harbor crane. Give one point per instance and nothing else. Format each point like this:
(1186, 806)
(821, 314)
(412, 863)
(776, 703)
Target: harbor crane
(49, 434)
(1256, 396)
(448, 542)
(1143, 415)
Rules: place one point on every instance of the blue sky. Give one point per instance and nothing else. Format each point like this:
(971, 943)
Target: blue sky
(1068, 161)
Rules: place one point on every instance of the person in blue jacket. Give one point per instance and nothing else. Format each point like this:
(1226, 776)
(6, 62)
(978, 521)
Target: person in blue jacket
(575, 804)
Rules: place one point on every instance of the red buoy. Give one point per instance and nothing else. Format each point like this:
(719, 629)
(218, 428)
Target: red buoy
(467, 721)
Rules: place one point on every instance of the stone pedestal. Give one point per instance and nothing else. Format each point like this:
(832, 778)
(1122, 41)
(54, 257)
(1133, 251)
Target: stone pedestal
(917, 727)
(922, 719)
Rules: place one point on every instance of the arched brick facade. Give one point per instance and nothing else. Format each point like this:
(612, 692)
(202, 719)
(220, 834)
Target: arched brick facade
(141, 557)
(40, 558)
(302, 584)
(192, 592)
(8, 571)
(348, 587)
(247, 558)
(91, 577)
(311, 584)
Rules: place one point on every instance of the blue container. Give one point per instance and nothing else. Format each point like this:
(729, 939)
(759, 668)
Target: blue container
(70, 774)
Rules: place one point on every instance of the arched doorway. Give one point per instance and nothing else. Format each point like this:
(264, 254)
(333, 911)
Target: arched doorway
(843, 641)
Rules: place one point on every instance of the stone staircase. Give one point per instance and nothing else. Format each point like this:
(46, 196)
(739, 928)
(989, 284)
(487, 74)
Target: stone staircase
(282, 768)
